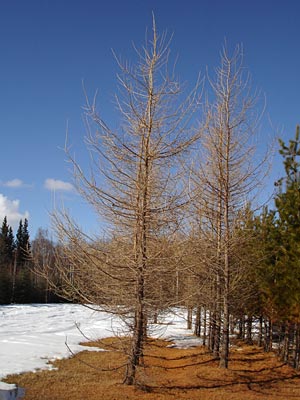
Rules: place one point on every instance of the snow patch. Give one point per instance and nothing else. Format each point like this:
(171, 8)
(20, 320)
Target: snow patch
(31, 336)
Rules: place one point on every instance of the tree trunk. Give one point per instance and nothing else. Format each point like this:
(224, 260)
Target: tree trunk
(260, 334)
(286, 344)
(218, 322)
(189, 317)
(224, 354)
(268, 335)
(204, 326)
(241, 326)
(136, 351)
(197, 330)
(297, 347)
(211, 330)
(249, 330)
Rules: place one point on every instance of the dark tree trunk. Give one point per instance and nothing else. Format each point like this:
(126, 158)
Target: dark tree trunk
(204, 327)
(136, 352)
(260, 333)
(249, 330)
(189, 317)
(268, 335)
(197, 330)
(296, 362)
(211, 332)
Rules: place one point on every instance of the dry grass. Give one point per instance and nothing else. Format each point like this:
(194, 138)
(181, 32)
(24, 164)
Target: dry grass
(169, 373)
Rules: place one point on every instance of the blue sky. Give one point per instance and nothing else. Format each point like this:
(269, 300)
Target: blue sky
(48, 47)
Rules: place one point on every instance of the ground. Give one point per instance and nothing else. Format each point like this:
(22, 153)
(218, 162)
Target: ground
(169, 373)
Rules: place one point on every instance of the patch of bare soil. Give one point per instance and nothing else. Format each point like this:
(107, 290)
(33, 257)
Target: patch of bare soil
(168, 373)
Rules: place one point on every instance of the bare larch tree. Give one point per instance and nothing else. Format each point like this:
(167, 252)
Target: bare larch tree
(229, 172)
(135, 187)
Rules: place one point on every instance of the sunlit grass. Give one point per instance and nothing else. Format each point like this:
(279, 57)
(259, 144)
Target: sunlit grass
(168, 373)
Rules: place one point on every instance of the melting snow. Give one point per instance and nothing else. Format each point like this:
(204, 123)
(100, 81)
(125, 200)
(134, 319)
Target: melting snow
(31, 336)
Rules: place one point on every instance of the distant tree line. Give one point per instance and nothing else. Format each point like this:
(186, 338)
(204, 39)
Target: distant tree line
(19, 279)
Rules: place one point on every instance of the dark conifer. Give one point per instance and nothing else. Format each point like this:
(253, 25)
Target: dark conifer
(7, 244)
(19, 242)
(23, 243)
(6, 262)
(11, 243)
(287, 201)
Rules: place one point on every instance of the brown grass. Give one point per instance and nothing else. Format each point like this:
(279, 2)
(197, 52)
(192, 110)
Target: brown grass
(169, 373)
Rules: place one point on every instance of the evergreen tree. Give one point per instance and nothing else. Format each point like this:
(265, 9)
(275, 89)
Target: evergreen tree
(26, 235)
(287, 263)
(265, 244)
(2, 242)
(19, 242)
(284, 268)
(5, 286)
(11, 243)
(23, 287)
(278, 271)
(23, 243)
(7, 243)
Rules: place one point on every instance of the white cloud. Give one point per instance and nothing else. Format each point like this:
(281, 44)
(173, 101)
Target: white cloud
(56, 184)
(10, 209)
(16, 183)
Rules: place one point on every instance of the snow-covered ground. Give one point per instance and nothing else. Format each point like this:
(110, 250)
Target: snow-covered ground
(33, 335)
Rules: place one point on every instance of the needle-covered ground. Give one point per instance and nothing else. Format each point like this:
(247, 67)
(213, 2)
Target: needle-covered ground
(169, 373)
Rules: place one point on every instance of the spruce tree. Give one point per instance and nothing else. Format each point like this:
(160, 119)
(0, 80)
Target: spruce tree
(2, 243)
(11, 243)
(23, 288)
(4, 228)
(19, 242)
(23, 243)
(287, 265)
(284, 285)
(7, 244)
(26, 241)
(6, 261)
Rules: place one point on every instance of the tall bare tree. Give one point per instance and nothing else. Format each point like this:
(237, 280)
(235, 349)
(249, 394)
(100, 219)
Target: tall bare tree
(228, 174)
(135, 186)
